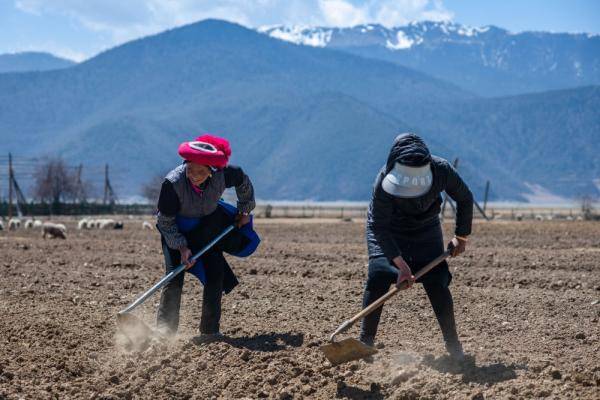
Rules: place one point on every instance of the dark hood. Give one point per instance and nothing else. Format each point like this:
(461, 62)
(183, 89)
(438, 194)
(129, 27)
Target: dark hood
(408, 149)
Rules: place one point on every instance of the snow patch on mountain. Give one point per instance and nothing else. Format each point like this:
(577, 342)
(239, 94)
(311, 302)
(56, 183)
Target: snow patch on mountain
(402, 42)
(472, 31)
(304, 35)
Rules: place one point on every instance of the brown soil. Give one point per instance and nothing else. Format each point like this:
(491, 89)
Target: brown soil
(527, 302)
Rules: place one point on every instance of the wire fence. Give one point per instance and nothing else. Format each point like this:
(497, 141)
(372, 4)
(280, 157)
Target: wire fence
(309, 211)
(26, 169)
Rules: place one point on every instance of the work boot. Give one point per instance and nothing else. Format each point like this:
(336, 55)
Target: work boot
(206, 338)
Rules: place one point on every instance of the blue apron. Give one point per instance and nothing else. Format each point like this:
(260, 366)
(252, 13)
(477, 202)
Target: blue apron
(186, 224)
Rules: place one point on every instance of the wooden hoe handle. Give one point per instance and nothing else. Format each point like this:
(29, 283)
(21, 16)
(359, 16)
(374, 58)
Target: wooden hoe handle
(403, 285)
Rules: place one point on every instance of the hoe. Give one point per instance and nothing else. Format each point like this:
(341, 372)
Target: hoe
(133, 328)
(351, 349)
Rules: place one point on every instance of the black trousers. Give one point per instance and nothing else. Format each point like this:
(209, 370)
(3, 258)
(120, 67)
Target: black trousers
(418, 248)
(218, 272)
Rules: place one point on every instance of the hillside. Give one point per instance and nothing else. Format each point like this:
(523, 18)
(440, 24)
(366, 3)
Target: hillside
(305, 122)
(32, 61)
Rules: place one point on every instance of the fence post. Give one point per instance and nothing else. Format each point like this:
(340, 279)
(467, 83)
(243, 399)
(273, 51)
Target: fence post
(10, 186)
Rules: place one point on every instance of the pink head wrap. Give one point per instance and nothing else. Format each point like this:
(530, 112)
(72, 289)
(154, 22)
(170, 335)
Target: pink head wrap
(206, 150)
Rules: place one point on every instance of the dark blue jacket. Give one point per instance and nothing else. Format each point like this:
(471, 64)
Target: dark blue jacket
(390, 218)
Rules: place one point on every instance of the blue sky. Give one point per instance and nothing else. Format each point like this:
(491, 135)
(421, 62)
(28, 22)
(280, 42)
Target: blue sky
(79, 29)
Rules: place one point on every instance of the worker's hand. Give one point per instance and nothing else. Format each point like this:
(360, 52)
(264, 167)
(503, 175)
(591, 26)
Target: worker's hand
(241, 220)
(186, 255)
(404, 272)
(457, 246)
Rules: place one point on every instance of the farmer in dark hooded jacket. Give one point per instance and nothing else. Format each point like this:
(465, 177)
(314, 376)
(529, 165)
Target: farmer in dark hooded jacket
(189, 216)
(404, 231)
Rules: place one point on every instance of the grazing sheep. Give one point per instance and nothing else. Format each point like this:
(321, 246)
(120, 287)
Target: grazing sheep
(62, 227)
(14, 223)
(519, 217)
(118, 225)
(54, 230)
(83, 224)
(106, 224)
(28, 223)
(147, 225)
(37, 224)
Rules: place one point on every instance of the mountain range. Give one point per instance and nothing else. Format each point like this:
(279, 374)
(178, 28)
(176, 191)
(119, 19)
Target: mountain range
(488, 61)
(32, 61)
(305, 122)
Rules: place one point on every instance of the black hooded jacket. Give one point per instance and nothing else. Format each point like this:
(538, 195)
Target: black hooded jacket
(390, 218)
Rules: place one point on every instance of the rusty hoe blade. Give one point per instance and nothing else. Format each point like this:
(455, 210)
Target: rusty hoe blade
(352, 349)
(346, 350)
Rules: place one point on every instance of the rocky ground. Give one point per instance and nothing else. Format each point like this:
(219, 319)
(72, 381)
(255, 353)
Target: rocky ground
(526, 293)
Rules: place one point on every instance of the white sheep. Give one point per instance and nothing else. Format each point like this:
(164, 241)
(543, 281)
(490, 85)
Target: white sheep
(37, 224)
(14, 223)
(519, 217)
(83, 224)
(54, 230)
(147, 225)
(1, 225)
(106, 224)
(28, 223)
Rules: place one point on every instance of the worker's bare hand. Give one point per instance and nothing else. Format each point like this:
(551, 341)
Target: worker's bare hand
(241, 220)
(404, 272)
(457, 246)
(186, 257)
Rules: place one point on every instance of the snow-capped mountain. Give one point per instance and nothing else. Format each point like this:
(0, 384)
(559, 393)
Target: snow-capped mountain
(398, 38)
(487, 60)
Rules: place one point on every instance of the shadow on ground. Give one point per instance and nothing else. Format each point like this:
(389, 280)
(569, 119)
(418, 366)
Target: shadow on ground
(356, 393)
(267, 342)
(471, 372)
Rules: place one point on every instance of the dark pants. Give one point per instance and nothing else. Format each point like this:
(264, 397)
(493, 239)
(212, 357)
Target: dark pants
(418, 249)
(216, 267)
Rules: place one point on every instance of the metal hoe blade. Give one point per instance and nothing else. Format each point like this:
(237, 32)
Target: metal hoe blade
(352, 349)
(346, 350)
(136, 334)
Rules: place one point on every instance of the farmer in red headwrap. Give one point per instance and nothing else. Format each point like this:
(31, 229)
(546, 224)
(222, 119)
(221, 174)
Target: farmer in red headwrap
(190, 215)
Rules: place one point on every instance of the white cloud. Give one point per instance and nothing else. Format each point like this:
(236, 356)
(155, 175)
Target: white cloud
(125, 20)
(385, 12)
(343, 13)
